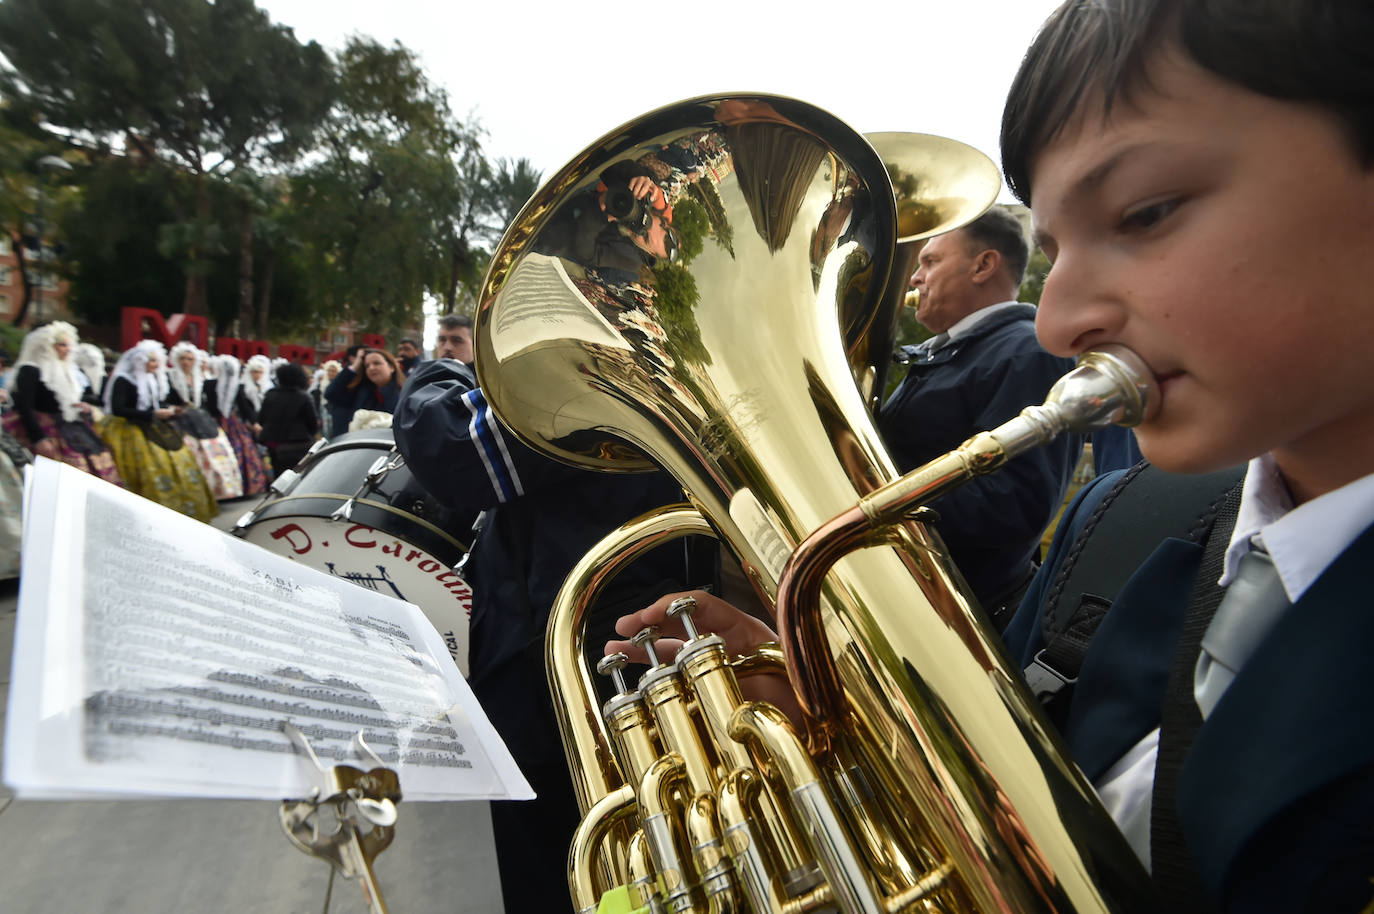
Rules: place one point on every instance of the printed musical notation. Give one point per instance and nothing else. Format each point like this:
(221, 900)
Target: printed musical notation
(161, 656)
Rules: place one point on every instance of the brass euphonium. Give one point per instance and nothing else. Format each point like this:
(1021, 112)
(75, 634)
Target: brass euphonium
(721, 327)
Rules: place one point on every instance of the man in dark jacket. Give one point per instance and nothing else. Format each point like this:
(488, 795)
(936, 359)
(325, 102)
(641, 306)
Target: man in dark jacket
(541, 517)
(982, 367)
(408, 354)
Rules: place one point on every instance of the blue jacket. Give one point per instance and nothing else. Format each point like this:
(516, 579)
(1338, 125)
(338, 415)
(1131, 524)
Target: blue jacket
(1276, 796)
(542, 517)
(992, 525)
(343, 403)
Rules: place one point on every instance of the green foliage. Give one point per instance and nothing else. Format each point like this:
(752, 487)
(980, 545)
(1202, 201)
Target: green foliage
(375, 212)
(205, 88)
(677, 298)
(1036, 270)
(11, 339)
(228, 167)
(693, 225)
(210, 86)
(114, 256)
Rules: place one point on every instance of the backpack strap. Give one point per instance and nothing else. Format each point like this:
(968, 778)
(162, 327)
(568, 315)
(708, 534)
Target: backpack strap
(1171, 866)
(1145, 507)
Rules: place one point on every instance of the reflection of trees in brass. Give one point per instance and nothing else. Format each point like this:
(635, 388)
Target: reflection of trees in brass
(775, 164)
(853, 288)
(708, 196)
(676, 302)
(692, 224)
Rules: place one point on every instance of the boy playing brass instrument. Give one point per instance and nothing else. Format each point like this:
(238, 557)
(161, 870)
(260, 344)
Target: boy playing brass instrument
(1201, 174)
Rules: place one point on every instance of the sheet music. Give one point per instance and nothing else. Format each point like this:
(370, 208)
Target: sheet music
(155, 655)
(541, 304)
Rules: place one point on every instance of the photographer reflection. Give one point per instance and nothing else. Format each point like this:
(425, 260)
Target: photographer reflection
(618, 229)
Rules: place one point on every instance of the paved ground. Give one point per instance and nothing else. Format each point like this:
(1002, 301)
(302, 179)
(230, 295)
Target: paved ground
(218, 857)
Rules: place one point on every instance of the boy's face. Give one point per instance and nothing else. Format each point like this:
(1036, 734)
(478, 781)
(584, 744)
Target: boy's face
(1227, 238)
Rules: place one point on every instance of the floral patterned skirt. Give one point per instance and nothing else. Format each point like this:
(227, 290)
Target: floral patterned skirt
(170, 478)
(11, 501)
(251, 464)
(90, 455)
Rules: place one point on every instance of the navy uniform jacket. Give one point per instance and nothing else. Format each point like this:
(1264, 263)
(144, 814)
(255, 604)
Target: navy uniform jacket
(992, 525)
(542, 517)
(1276, 796)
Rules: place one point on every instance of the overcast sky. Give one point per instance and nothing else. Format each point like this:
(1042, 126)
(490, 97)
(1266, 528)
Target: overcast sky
(545, 80)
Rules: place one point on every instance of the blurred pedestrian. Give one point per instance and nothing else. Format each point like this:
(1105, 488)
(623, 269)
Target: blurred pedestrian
(373, 382)
(287, 421)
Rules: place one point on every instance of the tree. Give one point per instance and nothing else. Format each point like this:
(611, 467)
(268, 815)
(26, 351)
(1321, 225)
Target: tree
(26, 186)
(385, 211)
(512, 184)
(1037, 269)
(204, 87)
(113, 250)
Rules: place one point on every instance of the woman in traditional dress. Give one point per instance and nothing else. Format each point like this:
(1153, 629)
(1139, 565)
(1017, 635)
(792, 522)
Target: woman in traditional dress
(207, 441)
(327, 373)
(227, 401)
(149, 449)
(53, 414)
(373, 382)
(13, 459)
(91, 360)
(257, 380)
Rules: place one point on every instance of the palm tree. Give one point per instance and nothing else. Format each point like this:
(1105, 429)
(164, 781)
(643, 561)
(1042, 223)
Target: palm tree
(511, 185)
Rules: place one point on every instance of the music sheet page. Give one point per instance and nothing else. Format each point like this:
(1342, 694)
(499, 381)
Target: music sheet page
(156, 655)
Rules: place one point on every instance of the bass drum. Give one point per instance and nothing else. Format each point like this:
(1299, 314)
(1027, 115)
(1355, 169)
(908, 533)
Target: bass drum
(352, 509)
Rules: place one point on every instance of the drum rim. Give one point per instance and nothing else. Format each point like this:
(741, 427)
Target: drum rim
(383, 506)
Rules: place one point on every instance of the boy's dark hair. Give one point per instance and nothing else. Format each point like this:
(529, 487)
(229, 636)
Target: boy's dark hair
(999, 230)
(350, 352)
(1312, 51)
(454, 321)
(292, 377)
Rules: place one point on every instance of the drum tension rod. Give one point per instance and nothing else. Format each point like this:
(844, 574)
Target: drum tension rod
(375, 474)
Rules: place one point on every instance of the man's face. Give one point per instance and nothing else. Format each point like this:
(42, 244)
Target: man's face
(455, 343)
(1226, 238)
(406, 351)
(945, 281)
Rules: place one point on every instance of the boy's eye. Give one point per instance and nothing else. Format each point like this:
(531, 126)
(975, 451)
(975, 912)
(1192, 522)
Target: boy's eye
(1146, 217)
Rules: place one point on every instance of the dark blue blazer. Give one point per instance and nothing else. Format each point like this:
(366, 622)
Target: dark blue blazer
(1276, 796)
(992, 525)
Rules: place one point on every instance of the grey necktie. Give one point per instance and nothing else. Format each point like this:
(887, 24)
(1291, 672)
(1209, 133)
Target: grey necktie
(1251, 606)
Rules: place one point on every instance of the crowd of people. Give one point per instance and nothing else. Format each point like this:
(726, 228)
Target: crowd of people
(183, 428)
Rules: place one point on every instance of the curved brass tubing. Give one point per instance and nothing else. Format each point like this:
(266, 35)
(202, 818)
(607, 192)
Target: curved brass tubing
(593, 767)
(613, 808)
